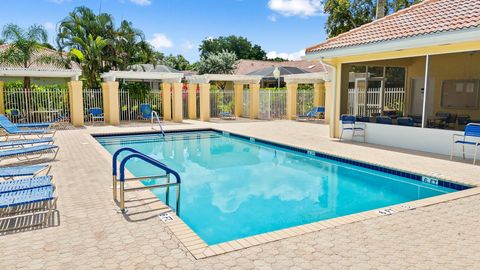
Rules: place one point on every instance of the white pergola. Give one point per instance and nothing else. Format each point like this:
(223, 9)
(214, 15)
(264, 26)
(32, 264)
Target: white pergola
(139, 75)
(40, 73)
(239, 79)
(306, 78)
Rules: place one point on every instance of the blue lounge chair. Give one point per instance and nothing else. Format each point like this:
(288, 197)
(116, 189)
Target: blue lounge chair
(27, 202)
(12, 129)
(29, 153)
(471, 136)
(312, 114)
(22, 171)
(60, 121)
(145, 111)
(25, 183)
(405, 121)
(96, 114)
(23, 143)
(349, 124)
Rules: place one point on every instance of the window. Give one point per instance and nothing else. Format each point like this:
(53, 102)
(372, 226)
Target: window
(460, 94)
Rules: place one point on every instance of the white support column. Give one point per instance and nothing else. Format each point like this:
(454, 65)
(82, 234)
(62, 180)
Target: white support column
(425, 89)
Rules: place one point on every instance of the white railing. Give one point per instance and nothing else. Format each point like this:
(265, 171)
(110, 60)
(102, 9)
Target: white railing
(304, 101)
(221, 101)
(246, 103)
(273, 104)
(92, 98)
(154, 116)
(130, 106)
(361, 102)
(36, 105)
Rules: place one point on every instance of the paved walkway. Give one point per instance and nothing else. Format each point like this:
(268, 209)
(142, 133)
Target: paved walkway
(91, 234)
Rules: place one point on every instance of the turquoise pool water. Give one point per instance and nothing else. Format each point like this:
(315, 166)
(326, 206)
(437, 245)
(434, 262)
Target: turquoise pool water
(233, 187)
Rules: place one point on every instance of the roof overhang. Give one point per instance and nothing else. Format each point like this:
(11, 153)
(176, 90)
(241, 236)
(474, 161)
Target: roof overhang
(436, 39)
(140, 75)
(207, 78)
(40, 73)
(306, 78)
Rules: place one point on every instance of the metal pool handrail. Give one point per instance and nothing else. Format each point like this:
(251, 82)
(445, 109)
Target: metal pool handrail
(154, 113)
(145, 158)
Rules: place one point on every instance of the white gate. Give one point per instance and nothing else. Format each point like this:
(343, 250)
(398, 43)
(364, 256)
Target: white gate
(373, 100)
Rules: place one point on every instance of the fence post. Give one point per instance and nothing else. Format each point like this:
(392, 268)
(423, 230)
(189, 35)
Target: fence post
(167, 101)
(192, 101)
(177, 103)
(254, 100)
(110, 102)
(328, 101)
(75, 93)
(318, 94)
(291, 100)
(238, 95)
(204, 101)
(2, 99)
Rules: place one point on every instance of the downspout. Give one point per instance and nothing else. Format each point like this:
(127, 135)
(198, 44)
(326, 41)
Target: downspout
(334, 93)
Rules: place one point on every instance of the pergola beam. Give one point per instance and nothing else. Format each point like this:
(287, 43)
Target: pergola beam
(139, 75)
(239, 79)
(39, 73)
(305, 78)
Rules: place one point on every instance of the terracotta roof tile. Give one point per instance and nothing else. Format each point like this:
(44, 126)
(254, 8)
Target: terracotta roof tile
(428, 17)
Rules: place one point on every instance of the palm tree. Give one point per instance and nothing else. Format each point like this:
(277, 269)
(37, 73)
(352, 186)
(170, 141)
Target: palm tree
(25, 48)
(381, 5)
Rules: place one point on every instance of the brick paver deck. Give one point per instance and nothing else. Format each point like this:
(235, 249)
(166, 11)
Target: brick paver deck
(91, 234)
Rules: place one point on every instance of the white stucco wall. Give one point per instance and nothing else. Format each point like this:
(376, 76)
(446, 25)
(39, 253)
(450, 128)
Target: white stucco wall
(438, 141)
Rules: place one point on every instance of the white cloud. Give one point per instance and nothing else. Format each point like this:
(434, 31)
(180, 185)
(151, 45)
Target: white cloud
(142, 2)
(302, 8)
(49, 25)
(160, 41)
(290, 56)
(188, 45)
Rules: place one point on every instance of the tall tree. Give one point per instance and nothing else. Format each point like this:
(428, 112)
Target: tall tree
(177, 62)
(94, 41)
(26, 48)
(218, 63)
(240, 46)
(344, 15)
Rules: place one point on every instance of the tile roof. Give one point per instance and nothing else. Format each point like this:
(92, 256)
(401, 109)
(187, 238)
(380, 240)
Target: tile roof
(245, 67)
(44, 67)
(427, 17)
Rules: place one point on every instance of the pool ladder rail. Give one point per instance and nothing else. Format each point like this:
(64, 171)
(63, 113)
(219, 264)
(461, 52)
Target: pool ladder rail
(120, 181)
(155, 114)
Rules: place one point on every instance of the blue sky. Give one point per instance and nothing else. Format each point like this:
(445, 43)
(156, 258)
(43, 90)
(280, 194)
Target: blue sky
(282, 27)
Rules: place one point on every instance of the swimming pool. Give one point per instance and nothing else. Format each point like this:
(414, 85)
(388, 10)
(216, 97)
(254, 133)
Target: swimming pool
(234, 186)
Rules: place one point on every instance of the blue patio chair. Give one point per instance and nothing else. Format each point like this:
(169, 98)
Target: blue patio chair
(314, 113)
(386, 120)
(29, 153)
(16, 115)
(145, 111)
(23, 143)
(227, 116)
(471, 136)
(22, 171)
(13, 130)
(96, 114)
(349, 124)
(363, 119)
(25, 183)
(33, 201)
(405, 121)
